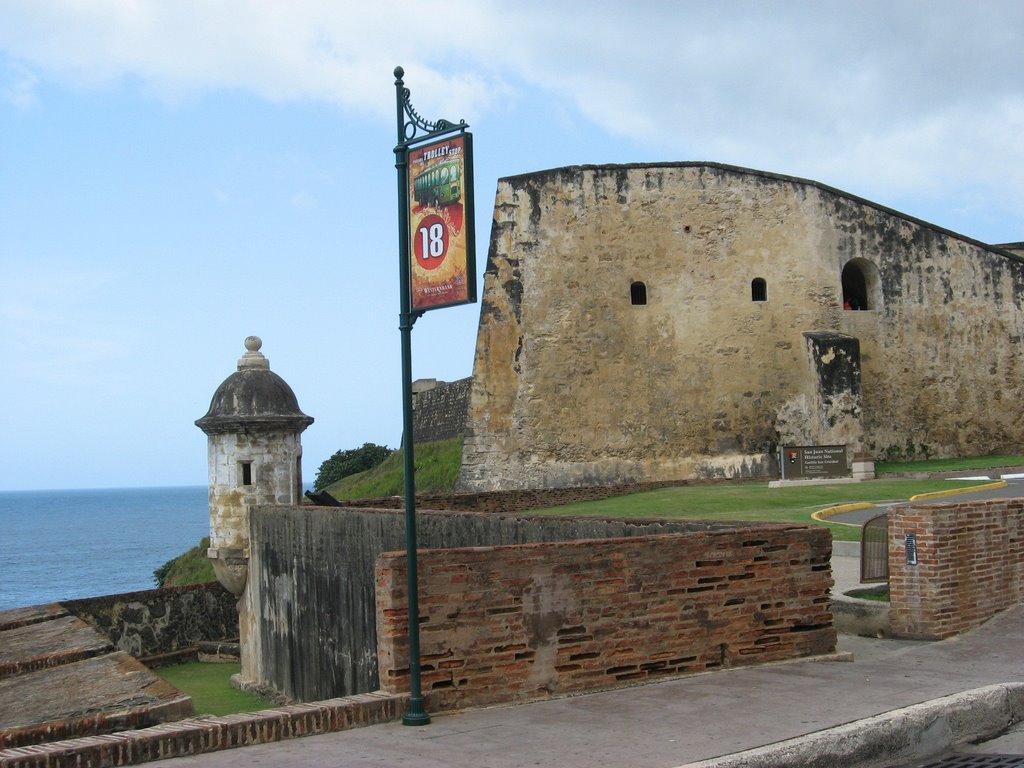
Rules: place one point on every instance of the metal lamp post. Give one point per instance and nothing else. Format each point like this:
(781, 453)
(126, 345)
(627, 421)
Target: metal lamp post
(410, 125)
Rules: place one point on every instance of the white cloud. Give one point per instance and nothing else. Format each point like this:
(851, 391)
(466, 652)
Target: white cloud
(19, 87)
(305, 49)
(916, 95)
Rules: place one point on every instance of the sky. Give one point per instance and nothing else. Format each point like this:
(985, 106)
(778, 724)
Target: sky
(176, 175)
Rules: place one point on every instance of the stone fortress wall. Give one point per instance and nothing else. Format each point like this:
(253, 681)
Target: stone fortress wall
(651, 322)
(161, 622)
(439, 409)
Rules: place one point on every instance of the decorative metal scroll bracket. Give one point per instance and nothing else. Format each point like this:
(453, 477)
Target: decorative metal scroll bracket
(413, 121)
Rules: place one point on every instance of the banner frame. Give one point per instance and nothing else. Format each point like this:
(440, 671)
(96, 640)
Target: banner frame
(466, 199)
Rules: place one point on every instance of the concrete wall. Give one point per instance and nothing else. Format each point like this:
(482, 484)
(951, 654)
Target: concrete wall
(513, 623)
(313, 571)
(573, 384)
(970, 566)
(160, 621)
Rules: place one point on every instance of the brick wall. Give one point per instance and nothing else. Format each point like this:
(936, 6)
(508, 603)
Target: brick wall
(970, 566)
(520, 622)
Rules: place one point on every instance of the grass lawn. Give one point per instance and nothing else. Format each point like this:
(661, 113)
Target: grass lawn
(756, 502)
(210, 687)
(949, 465)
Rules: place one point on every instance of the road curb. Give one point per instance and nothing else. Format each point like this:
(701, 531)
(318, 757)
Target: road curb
(912, 733)
(822, 515)
(957, 491)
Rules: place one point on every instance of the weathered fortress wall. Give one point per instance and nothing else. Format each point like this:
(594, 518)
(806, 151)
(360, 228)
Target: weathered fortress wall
(439, 409)
(162, 621)
(648, 322)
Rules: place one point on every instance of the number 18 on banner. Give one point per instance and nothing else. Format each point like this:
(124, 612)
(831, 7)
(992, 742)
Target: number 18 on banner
(443, 250)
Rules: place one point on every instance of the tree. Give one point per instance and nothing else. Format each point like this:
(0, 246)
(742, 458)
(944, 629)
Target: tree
(345, 463)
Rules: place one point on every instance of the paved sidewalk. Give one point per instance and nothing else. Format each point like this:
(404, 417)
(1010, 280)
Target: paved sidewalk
(679, 721)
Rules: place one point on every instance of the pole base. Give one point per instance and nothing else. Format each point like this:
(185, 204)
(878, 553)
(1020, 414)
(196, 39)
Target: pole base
(416, 718)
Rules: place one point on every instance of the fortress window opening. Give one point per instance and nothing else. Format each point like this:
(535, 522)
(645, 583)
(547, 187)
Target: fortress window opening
(246, 472)
(638, 293)
(758, 289)
(861, 285)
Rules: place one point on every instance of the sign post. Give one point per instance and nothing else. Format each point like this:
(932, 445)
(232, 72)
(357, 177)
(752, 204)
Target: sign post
(437, 268)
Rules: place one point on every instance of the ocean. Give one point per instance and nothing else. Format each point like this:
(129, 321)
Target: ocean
(58, 545)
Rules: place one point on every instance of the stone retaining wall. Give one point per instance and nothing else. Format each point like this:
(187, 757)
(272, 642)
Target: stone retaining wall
(161, 621)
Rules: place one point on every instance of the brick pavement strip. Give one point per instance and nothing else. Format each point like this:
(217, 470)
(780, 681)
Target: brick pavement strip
(33, 614)
(208, 734)
(97, 695)
(49, 642)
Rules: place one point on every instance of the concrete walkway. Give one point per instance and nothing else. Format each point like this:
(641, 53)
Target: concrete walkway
(700, 718)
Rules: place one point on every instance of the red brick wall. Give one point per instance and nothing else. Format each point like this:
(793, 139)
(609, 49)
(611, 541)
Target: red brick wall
(970, 566)
(521, 622)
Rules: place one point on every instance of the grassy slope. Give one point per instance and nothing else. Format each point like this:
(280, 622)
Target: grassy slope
(949, 465)
(192, 567)
(437, 467)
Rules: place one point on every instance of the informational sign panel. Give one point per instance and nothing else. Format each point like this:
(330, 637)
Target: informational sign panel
(442, 246)
(804, 462)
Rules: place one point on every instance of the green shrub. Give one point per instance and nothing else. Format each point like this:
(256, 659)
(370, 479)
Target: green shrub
(350, 462)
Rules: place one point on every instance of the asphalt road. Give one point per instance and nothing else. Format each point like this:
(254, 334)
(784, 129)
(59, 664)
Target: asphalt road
(1014, 487)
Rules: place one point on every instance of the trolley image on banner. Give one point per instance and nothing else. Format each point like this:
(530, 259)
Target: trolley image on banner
(441, 243)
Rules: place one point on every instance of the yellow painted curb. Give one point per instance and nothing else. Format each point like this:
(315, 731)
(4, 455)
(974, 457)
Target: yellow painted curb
(954, 491)
(824, 514)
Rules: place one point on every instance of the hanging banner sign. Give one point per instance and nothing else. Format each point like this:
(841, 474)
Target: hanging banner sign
(441, 242)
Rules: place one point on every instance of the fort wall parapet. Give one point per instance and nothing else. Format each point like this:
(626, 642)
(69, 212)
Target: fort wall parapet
(439, 409)
(196, 736)
(307, 557)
